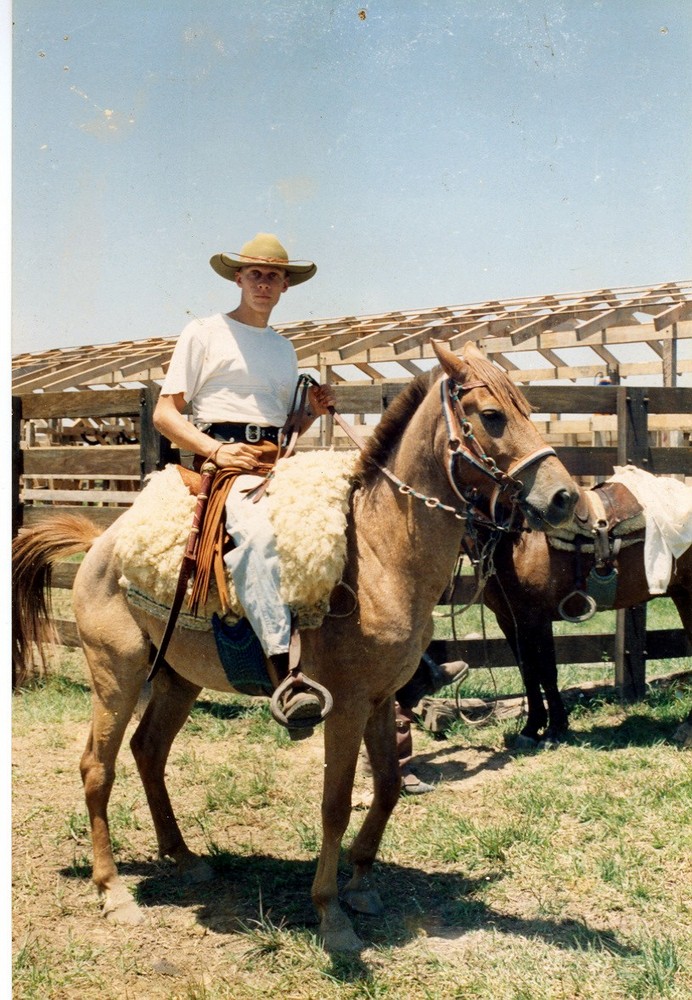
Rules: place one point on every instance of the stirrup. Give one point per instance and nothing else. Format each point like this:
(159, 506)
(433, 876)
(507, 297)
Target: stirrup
(297, 679)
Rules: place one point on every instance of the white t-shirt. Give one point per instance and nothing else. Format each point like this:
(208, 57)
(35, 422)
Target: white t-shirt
(230, 371)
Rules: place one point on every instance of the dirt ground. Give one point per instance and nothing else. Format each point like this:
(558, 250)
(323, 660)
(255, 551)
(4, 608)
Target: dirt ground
(190, 933)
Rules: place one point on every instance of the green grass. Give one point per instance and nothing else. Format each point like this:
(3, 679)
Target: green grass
(487, 683)
(544, 876)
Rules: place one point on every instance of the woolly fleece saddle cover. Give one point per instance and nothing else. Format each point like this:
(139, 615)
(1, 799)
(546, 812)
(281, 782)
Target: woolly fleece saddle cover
(307, 502)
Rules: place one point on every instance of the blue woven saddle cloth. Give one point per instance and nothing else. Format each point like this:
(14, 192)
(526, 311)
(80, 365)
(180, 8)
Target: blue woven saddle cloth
(241, 657)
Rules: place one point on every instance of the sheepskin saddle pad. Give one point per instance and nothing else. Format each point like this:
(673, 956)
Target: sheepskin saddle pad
(609, 506)
(307, 503)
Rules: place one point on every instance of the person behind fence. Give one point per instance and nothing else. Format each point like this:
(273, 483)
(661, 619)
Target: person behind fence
(239, 377)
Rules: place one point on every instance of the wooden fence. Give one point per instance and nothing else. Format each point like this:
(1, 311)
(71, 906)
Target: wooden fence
(55, 467)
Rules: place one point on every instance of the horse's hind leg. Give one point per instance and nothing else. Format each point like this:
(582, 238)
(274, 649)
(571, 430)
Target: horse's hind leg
(113, 705)
(380, 741)
(171, 699)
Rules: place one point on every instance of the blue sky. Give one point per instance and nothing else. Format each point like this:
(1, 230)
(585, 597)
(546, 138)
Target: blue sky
(430, 152)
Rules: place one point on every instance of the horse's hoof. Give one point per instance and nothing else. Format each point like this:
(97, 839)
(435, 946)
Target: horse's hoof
(683, 736)
(549, 743)
(120, 908)
(196, 871)
(364, 901)
(341, 941)
(524, 742)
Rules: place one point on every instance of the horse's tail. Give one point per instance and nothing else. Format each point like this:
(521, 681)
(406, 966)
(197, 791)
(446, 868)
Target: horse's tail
(35, 551)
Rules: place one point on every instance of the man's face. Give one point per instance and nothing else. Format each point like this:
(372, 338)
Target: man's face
(262, 286)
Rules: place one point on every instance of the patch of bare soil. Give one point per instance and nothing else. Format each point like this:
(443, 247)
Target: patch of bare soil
(191, 933)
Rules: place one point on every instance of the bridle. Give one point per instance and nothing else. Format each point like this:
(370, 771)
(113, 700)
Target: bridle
(463, 445)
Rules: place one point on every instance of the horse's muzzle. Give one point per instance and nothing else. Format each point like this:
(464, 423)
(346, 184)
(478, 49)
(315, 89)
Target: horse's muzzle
(560, 509)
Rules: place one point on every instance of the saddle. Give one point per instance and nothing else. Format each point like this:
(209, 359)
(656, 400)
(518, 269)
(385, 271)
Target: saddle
(606, 519)
(609, 513)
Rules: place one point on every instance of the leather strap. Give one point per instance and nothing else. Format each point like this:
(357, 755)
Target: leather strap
(208, 472)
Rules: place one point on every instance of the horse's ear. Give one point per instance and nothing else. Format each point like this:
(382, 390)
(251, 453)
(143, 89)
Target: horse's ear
(452, 365)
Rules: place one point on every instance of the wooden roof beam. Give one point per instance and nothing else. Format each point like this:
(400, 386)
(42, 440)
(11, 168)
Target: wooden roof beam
(602, 321)
(382, 336)
(680, 311)
(605, 355)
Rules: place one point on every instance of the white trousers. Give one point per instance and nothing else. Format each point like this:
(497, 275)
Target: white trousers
(254, 565)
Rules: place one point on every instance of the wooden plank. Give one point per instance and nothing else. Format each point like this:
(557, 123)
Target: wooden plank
(71, 462)
(602, 321)
(497, 652)
(94, 496)
(670, 461)
(572, 398)
(682, 310)
(87, 403)
(630, 652)
(669, 399)
(358, 398)
(17, 464)
(63, 575)
(633, 438)
(593, 461)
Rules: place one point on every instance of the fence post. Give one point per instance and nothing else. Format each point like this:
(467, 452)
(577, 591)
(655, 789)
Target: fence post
(17, 464)
(154, 451)
(630, 634)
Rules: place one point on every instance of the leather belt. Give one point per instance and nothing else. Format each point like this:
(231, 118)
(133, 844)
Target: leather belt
(252, 433)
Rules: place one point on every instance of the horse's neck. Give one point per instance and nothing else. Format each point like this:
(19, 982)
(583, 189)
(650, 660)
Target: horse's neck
(407, 534)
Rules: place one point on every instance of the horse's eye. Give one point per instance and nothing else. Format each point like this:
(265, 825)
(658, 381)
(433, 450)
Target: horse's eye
(494, 421)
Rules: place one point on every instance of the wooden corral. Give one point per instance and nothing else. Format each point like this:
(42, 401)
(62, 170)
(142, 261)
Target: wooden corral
(90, 449)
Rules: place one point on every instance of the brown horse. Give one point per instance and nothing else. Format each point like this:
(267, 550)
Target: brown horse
(534, 582)
(448, 438)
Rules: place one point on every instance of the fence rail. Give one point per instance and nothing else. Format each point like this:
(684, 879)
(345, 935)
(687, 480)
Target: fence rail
(57, 470)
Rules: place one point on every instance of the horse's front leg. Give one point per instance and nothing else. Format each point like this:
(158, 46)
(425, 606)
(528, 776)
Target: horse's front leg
(521, 635)
(380, 742)
(536, 656)
(343, 732)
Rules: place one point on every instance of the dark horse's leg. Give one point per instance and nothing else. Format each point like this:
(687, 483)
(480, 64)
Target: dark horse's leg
(681, 592)
(534, 647)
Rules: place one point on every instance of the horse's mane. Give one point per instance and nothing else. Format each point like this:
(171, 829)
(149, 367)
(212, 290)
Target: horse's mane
(400, 412)
(499, 383)
(394, 420)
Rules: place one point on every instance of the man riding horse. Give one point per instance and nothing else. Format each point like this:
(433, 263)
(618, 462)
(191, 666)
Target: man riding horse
(239, 377)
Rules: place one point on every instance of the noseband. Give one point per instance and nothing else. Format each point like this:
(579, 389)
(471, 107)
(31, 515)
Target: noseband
(464, 445)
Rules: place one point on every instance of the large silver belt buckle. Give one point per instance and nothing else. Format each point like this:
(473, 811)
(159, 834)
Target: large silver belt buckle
(253, 433)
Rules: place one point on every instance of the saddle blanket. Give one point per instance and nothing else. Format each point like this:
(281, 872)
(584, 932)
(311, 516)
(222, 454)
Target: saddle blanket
(666, 517)
(667, 507)
(307, 503)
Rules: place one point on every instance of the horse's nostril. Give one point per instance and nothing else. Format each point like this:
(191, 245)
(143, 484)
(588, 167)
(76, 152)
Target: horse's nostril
(563, 498)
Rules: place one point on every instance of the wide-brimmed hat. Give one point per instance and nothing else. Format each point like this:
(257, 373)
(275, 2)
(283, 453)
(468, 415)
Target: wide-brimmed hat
(266, 251)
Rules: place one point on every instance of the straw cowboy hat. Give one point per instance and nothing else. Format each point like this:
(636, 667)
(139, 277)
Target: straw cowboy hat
(264, 250)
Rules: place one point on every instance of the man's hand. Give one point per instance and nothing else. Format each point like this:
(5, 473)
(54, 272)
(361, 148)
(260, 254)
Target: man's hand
(321, 398)
(236, 455)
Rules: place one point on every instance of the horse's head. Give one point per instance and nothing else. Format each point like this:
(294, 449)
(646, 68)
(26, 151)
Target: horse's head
(498, 441)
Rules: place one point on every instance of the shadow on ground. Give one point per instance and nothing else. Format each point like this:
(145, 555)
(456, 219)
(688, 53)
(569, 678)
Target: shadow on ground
(260, 891)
